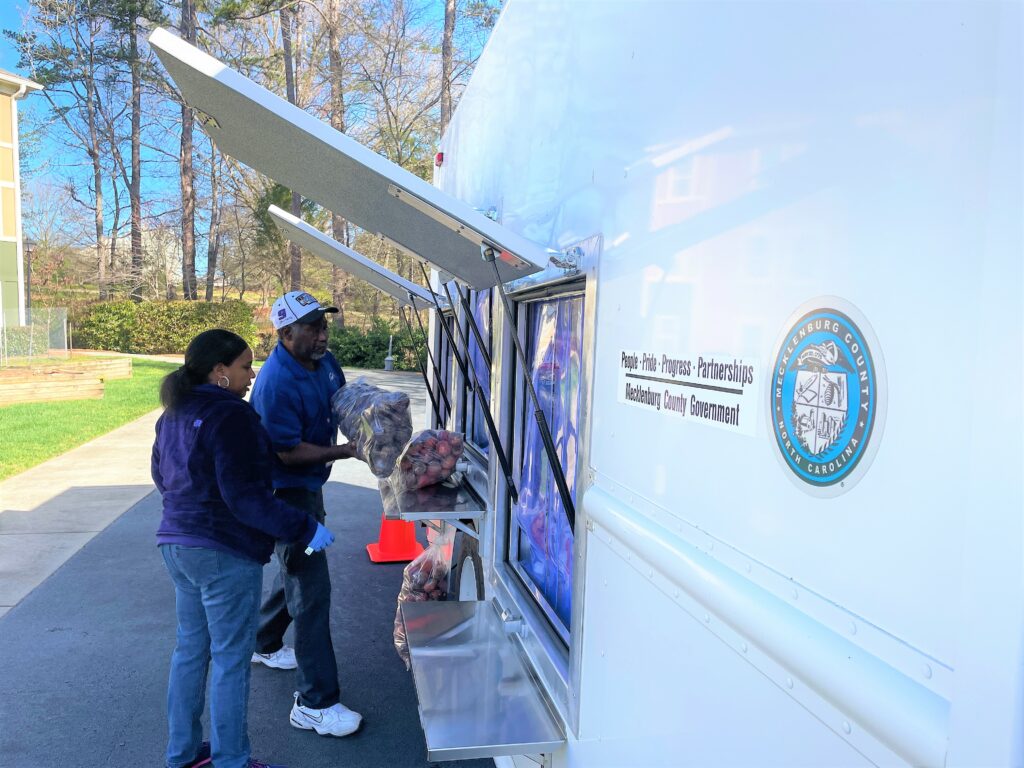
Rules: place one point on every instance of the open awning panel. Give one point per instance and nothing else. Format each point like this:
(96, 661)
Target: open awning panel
(353, 262)
(264, 131)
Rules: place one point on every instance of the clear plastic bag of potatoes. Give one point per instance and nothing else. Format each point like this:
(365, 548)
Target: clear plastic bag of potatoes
(377, 422)
(425, 578)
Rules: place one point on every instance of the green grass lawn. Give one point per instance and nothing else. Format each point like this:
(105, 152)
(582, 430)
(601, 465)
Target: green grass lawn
(31, 433)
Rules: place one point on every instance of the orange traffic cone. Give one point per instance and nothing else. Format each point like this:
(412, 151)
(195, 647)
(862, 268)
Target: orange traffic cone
(396, 542)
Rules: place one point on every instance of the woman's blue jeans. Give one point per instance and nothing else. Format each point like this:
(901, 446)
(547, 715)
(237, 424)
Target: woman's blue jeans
(217, 596)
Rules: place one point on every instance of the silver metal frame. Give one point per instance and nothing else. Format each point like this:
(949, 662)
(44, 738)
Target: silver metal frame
(557, 667)
(589, 264)
(523, 302)
(440, 342)
(470, 402)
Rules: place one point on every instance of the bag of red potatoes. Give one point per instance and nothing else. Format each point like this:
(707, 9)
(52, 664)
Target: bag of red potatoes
(429, 458)
(425, 578)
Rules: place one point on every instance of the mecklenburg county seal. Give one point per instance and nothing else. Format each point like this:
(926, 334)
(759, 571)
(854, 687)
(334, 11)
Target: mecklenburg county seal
(825, 393)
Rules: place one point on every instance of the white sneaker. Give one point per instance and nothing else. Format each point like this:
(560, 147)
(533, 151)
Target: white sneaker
(284, 658)
(338, 720)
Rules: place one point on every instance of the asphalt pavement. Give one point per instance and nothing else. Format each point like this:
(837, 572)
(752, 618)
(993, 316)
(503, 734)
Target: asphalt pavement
(87, 619)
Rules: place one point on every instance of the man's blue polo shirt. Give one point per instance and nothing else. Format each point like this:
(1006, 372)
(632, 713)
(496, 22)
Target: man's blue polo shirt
(295, 406)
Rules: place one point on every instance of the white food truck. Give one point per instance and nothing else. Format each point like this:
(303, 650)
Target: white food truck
(757, 499)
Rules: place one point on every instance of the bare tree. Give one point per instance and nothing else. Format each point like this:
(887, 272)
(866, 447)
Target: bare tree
(288, 15)
(446, 64)
(188, 198)
(336, 69)
(214, 238)
(63, 50)
(124, 16)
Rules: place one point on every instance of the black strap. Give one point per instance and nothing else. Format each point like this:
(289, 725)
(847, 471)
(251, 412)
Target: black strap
(542, 422)
(419, 360)
(485, 407)
(433, 363)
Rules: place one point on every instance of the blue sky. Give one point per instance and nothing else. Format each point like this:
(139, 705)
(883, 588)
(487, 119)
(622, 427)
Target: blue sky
(10, 18)
(11, 12)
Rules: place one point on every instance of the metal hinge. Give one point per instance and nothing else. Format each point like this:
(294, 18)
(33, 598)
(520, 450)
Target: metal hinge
(569, 259)
(512, 623)
(543, 760)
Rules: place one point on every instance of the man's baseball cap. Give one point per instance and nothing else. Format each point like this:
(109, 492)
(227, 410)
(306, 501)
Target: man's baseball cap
(297, 307)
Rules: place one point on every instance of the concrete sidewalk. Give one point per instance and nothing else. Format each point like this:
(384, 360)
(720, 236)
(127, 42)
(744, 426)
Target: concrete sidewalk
(49, 512)
(87, 618)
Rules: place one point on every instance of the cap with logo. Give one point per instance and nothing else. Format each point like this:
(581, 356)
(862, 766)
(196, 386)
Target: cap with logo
(297, 307)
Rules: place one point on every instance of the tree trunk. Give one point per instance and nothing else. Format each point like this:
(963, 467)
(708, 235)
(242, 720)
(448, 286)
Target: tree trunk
(188, 195)
(135, 191)
(339, 228)
(97, 180)
(169, 293)
(213, 250)
(115, 226)
(241, 257)
(446, 64)
(289, 80)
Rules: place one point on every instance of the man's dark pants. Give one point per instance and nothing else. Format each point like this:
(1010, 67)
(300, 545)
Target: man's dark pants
(301, 592)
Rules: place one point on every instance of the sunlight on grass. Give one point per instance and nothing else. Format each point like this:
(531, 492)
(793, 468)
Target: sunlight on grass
(31, 433)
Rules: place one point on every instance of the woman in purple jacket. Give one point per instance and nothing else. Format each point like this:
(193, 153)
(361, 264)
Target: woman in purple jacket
(211, 463)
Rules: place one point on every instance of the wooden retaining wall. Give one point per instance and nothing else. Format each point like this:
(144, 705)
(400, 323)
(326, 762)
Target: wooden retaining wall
(54, 386)
(61, 380)
(108, 370)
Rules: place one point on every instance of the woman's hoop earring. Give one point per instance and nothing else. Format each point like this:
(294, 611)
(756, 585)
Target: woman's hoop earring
(223, 382)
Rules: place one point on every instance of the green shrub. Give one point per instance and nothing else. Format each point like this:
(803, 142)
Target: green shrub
(357, 348)
(158, 327)
(25, 340)
(107, 325)
(265, 343)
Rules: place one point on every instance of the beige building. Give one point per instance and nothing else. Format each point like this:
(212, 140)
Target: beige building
(12, 268)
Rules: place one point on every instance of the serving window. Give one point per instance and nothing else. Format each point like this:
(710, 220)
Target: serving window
(541, 543)
(445, 362)
(472, 416)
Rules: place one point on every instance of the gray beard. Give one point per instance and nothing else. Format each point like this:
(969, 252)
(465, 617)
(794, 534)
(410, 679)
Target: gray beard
(315, 356)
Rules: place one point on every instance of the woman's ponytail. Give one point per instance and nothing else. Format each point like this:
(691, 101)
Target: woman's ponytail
(176, 385)
(204, 352)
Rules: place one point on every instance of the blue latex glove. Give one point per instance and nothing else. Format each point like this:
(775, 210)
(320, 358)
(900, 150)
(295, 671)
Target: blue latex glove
(322, 539)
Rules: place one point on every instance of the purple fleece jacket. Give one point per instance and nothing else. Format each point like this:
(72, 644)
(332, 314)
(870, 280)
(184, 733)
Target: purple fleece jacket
(211, 463)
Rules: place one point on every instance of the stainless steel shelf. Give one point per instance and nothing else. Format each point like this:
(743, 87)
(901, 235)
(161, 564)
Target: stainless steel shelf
(477, 698)
(450, 501)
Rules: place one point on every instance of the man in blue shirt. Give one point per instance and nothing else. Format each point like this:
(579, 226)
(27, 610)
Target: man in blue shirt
(292, 395)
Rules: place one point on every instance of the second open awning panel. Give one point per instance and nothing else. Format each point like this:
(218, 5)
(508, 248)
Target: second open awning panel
(351, 261)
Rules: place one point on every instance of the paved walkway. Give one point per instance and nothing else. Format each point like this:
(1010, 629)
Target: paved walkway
(49, 512)
(87, 618)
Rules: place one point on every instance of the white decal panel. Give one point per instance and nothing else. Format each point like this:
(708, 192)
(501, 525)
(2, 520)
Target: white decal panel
(711, 390)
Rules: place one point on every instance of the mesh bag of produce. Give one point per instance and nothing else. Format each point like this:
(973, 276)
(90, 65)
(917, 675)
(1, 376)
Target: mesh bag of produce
(425, 578)
(429, 458)
(377, 422)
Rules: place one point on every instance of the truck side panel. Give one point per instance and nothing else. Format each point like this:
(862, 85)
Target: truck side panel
(743, 163)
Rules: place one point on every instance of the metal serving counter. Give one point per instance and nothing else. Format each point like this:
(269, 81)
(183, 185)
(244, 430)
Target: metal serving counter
(476, 697)
(452, 501)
